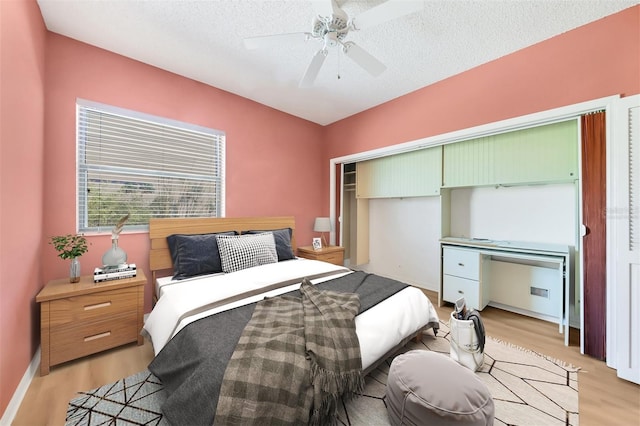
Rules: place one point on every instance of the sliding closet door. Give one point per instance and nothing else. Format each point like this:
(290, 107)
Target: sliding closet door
(594, 254)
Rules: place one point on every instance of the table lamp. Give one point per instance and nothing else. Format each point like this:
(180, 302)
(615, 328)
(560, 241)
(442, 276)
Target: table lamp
(322, 224)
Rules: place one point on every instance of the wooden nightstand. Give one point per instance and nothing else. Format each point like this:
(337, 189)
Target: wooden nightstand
(331, 254)
(86, 317)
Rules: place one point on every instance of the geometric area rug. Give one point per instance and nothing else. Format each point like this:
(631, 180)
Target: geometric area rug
(527, 388)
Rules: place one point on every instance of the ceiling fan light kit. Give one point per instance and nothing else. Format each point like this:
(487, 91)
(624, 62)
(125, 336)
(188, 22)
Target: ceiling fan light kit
(332, 30)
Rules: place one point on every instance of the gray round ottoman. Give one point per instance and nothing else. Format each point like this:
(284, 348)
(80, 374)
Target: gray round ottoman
(429, 388)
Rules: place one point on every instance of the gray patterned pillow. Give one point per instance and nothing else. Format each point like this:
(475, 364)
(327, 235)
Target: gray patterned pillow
(282, 238)
(246, 251)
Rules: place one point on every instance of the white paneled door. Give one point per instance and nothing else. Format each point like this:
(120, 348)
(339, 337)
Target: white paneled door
(623, 218)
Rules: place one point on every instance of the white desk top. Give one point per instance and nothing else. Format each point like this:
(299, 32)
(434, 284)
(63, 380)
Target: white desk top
(508, 245)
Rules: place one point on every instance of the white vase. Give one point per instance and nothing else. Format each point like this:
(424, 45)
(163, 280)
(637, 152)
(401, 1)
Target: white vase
(114, 256)
(74, 271)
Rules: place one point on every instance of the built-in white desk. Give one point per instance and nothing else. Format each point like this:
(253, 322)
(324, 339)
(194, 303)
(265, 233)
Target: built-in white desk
(528, 278)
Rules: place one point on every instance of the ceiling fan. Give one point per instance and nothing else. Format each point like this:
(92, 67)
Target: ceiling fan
(330, 28)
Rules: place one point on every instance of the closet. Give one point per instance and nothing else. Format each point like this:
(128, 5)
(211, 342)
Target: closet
(416, 173)
(554, 169)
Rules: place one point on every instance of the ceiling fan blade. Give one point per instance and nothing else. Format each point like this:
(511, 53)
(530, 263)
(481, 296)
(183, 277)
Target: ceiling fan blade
(323, 7)
(275, 40)
(313, 68)
(391, 9)
(364, 59)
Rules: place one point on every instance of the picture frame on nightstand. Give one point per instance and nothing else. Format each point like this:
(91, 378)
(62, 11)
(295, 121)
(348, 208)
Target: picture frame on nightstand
(317, 244)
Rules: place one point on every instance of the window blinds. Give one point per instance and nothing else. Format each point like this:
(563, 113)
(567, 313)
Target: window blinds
(147, 166)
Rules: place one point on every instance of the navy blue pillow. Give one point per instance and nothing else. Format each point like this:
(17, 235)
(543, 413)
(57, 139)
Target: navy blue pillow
(282, 238)
(195, 254)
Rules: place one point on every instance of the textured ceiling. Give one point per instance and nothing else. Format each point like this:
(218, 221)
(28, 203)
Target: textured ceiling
(203, 40)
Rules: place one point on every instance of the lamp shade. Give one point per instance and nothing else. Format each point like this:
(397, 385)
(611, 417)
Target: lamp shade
(322, 224)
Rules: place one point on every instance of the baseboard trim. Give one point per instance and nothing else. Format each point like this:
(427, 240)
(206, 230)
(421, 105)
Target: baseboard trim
(16, 400)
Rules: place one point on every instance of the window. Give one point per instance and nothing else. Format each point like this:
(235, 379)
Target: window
(147, 166)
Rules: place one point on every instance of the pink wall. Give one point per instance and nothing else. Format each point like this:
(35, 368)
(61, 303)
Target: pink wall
(593, 61)
(271, 164)
(22, 75)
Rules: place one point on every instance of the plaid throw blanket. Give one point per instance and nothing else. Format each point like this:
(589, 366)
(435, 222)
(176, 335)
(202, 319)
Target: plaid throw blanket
(294, 361)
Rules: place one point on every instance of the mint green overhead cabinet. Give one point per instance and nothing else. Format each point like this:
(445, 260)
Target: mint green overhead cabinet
(543, 154)
(410, 174)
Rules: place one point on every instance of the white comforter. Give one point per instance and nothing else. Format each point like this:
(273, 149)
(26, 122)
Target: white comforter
(379, 329)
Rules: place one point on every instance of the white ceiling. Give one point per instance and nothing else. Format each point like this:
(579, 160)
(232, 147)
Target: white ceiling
(202, 40)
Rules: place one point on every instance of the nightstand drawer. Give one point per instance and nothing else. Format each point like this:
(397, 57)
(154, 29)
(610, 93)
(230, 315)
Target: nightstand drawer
(336, 258)
(461, 263)
(72, 341)
(91, 306)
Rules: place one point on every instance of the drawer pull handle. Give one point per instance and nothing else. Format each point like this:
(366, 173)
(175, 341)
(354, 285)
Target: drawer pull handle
(460, 264)
(97, 336)
(97, 306)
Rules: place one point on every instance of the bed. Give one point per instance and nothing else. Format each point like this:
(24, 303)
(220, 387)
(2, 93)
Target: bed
(198, 319)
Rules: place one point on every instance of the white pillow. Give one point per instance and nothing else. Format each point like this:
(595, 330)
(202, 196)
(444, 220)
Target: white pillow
(246, 251)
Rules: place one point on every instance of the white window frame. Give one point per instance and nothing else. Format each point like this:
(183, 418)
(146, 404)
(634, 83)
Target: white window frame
(217, 153)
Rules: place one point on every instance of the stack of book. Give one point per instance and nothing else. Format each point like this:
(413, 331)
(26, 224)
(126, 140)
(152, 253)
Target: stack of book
(107, 273)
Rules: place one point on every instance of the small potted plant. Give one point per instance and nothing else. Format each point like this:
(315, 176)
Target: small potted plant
(71, 247)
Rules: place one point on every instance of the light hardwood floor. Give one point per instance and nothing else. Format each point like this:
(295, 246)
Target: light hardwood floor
(604, 399)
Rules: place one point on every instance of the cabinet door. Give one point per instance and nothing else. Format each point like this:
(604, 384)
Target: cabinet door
(364, 178)
(540, 154)
(411, 174)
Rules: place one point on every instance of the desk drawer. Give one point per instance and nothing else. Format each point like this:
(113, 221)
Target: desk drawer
(93, 306)
(73, 341)
(461, 263)
(455, 287)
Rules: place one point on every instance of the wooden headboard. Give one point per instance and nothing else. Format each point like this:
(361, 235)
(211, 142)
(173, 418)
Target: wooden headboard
(160, 229)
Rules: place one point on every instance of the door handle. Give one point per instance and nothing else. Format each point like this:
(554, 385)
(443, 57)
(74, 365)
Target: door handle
(584, 230)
